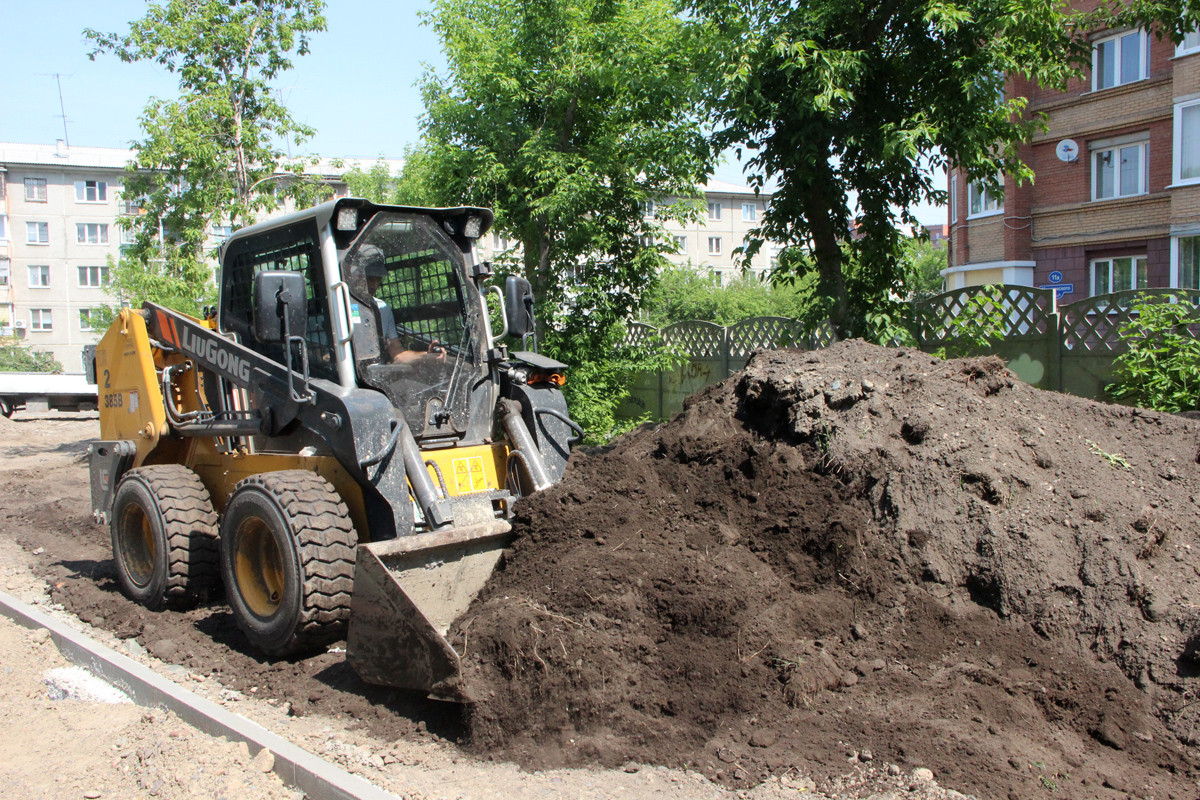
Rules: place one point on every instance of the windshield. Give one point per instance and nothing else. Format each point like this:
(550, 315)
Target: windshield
(408, 277)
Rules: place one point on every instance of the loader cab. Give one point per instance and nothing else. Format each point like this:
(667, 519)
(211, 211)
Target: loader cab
(391, 302)
(419, 331)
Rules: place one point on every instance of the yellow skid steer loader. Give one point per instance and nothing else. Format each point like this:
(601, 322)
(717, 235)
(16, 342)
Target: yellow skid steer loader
(339, 442)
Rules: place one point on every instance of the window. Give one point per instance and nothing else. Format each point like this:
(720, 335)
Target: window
(953, 199)
(85, 319)
(126, 235)
(37, 232)
(93, 276)
(1120, 59)
(39, 276)
(749, 212)
(1118, 274)
(1186, 274)
(130, 207)
(680, 244)
(3, 227)
(1119, 171)
(40, 319)
(983, 200)
(1186, 160)
(222, 232)
(501, 243)
(91, 233)
(4, 272)
(648, 209)
(91, 192)
(1190, 44)
(714, 209)
(714, 245)
(35, 190)
(3, 185)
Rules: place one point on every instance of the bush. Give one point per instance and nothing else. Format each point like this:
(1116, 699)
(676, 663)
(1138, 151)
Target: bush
(1161, 369)
(16, 358)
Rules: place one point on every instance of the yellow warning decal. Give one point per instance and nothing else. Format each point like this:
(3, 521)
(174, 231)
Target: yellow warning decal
(469, 475)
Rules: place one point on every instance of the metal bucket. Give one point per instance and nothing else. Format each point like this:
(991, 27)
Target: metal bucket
(407, 593)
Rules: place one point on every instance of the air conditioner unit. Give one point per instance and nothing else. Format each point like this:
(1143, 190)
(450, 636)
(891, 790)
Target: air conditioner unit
(18, 323)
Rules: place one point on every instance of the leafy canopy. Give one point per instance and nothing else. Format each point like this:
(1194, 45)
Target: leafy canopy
(208, 155)
(850, 107)
(1161, 368)
(567, 117)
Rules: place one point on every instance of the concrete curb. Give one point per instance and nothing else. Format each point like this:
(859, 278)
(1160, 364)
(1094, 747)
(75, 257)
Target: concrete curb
(295, 766)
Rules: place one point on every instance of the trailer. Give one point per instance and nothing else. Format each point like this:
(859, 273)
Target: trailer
(43, 391)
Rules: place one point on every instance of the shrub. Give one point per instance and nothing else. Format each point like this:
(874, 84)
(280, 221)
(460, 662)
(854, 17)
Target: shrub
(1161, 369)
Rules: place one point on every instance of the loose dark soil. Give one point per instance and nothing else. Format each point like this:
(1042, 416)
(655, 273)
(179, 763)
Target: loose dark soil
(861, 549)
(853, 551)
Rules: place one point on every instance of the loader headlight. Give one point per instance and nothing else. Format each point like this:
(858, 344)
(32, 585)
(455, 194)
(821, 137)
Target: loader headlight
(347, 219)
(473, 227)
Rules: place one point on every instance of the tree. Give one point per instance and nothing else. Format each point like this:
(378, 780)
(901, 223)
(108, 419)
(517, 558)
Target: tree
(15, 357)
(683, 293)
(569, 118)
(849, 106)
(923, 262)
(210, 155)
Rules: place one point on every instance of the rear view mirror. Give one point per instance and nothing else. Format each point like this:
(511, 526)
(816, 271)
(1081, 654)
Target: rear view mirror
(280, 306)
(518, 305)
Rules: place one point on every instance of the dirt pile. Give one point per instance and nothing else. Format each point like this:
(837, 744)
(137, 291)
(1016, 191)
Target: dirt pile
(860, 554)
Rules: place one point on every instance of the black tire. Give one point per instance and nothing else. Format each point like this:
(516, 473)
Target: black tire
(164, 536)
(6, 408)
(287, 558)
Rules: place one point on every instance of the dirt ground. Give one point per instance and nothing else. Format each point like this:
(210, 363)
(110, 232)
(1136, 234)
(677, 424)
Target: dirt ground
(868, 549)
(832, 571)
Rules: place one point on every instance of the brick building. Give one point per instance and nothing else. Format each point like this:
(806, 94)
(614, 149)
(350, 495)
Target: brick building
(1116, 199)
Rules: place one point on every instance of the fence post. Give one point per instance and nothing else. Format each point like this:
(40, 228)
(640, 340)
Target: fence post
(1057, 342)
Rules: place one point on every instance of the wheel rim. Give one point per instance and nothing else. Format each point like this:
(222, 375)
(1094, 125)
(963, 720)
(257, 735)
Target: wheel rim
(138, 548)
(258, 567)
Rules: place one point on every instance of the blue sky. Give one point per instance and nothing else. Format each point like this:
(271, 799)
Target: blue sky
(356, 87)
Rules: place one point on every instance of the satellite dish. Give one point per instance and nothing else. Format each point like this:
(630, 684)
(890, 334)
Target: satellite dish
(1067, 151)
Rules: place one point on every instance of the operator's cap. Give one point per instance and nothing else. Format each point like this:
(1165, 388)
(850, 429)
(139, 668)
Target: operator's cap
(371, 259)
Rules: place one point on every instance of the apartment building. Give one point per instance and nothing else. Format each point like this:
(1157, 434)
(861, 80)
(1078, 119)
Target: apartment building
(1116, 200)
(58, 212)
(729, 213)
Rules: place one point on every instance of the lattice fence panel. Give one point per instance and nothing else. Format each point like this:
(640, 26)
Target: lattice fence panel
(1027, 311)
(764, 333)
(823, 336)
(698, 339)
(640, 335)
(1094, 323)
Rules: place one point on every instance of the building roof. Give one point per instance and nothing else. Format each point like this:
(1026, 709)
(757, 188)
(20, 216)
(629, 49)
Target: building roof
(64, 156)
(61, 155)
(714, 186)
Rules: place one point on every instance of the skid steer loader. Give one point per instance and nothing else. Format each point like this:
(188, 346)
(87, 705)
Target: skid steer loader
(339, 442)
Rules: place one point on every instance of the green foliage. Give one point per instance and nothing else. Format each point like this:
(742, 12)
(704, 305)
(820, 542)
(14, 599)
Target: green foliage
(213, 154)
(415, 185)
(18, 358)
(923, 263)
(851, 107)
(566, 117)
(1161, 368)
(681, 293)
(982, 322)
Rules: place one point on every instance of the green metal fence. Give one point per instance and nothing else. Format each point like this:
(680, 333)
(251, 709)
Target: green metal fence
(1068, 348)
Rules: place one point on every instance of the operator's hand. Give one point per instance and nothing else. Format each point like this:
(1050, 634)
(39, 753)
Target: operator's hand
(437, 350)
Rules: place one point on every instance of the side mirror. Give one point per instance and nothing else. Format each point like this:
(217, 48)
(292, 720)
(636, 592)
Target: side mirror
(280, 307)
(518, 306)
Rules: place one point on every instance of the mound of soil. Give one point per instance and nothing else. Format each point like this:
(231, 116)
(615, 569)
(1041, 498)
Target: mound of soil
(860, 553)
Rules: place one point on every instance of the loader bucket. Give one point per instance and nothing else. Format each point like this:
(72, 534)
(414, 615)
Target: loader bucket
(407, 592)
